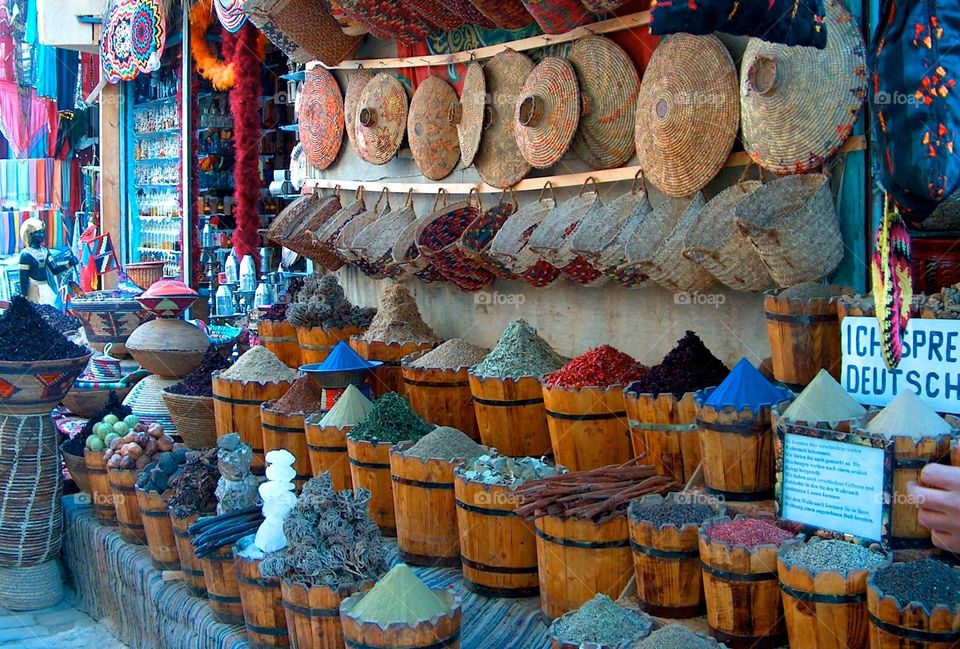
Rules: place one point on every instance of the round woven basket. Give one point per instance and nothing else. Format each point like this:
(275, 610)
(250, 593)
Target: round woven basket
(437, 239)
(469, 117)
(687, 113)
(31, 588)
(193, 419)
(146, 401)
(608, 89)
(475, 240)
(799, 104)
(715, 243)
(144, 273)
(321, 117)
(86, 402)
(355, 84)
(431, 128)
(436, 13)
(792, 223)
(499, 160)
(547, 112)
(381, 119)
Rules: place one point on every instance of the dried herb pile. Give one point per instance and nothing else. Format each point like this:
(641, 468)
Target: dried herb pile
(451, 355)
(602, 367)
(322, 303)
(199, 383)
(689, 367)
(598, 494)
(445, 443)
(820, 555)
(669, 512)
(25, 336)
(259, 364)
(391, 420)
(519, 352)
(331, 540)
(398, 319)
(601, 621)
(193, 488)
(811, 291)
(57, 319)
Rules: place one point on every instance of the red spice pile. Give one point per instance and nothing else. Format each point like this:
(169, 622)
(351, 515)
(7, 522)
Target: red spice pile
(749, 532)
(601, 367)
(303, 396)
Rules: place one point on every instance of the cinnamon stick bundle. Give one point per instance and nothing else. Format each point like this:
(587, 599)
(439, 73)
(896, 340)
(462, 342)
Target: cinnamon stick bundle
(598, 494)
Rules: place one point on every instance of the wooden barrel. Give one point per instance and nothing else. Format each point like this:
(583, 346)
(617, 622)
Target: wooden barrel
(285, 430)
(189, 562)
(588, 427)
(667, 564)
(441, 397)
(103, 505)
(444, 633)
(426, 508)
(804, 338)
(316, 343)
(161, 542)
(387, 377)
(498, 550)
(663, 430)
(313, 616)
(903, 626)
(280, 337)
(327, 447)
(578, 559)
(236, 406)
(738, 451)
(742, 593)
(370, 469)
(262, 602)
(510, 415)
(223, 591)
(122, 486)
(827, 610)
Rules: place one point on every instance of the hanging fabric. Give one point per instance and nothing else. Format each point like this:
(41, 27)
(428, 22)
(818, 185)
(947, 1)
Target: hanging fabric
(891, 279)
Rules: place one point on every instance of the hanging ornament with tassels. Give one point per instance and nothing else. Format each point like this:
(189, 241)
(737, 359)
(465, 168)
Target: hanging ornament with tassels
(892, 288)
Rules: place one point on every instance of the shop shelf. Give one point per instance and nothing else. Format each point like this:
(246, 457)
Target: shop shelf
(156, 160)
(165, 132)
(153, 103)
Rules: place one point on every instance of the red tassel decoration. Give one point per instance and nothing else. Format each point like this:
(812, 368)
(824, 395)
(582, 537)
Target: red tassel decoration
(246, 55)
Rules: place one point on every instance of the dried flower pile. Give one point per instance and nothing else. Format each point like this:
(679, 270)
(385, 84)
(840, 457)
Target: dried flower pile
(602, 367)
(322, 303)
(332, 541)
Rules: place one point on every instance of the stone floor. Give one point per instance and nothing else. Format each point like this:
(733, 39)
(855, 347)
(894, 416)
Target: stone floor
(58, 627)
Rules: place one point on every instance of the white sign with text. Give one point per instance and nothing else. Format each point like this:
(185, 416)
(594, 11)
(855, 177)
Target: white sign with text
(833, 485)
(930, 366)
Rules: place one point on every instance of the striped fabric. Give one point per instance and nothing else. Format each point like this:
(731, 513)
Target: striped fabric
(115, 580)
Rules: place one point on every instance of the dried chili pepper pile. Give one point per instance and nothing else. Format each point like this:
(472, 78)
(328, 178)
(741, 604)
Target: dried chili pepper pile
(599, 494)
(601, 367)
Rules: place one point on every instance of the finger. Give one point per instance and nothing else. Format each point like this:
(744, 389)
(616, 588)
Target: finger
(941, 476)
(934, 520)
(934, 499)
(948, 542)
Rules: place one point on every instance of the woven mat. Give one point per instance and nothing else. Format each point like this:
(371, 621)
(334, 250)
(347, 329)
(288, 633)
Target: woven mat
(115, 579)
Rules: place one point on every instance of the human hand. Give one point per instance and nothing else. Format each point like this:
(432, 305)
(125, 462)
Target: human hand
(938, 502)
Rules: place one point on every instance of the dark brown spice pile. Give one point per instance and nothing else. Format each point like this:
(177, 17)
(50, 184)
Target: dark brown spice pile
(689, 367)
(671, 513)
(193, 488)
(928, 582)
(58, 320)
(303, 396)
(25, 336)
(198, 382)
(114, 406)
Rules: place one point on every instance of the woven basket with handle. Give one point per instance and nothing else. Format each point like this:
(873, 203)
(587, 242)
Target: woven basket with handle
(509, 246)
(356, 225)
(375, 243)
(437, 240)
(407, 258)
(792, 223)
(715, 243)
(476, 239)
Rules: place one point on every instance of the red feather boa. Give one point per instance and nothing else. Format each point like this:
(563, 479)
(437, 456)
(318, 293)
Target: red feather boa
(245, 50)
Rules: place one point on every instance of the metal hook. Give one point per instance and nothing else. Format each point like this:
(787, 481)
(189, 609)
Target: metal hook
(589, 180)
(553, 196)
(643, 182)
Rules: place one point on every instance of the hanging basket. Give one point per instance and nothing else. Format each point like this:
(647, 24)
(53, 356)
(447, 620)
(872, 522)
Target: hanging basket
(294, 227)
(476, 239)
(553, 240)
(356, 225)
(437, 240)
(654, 247)
(377, 241)
(407, 260)
(792, 223)
(321, 241)
(510, 248)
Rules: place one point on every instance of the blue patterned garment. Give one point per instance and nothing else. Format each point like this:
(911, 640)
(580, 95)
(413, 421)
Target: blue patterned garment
(791, 22)
(915, 61)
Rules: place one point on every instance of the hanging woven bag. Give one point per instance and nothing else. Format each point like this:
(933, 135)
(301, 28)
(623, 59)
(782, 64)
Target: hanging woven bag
(476, 239)
(715, 243)
(509, 246)
(322, 240)
(374, 245)
(294, 229)
(792, 223)
(356, 225)
(407, 258)
(654, 247)
(437, 240)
